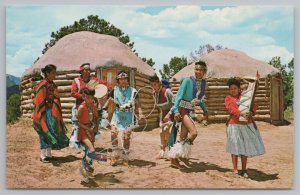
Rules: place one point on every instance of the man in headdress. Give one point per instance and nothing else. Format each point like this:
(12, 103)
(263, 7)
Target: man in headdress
(78, 84)
(82, 81)
(190, 94)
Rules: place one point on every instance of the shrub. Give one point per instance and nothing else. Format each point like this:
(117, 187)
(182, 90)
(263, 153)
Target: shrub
(13, 108)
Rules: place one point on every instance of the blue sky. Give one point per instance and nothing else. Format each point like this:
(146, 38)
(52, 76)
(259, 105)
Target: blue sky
(159, 32)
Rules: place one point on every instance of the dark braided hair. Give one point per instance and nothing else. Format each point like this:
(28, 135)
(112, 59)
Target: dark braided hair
(47, 69)
(154, 78)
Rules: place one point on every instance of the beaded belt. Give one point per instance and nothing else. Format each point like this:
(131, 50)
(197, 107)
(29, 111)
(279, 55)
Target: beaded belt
(186, 104)
(124, 109)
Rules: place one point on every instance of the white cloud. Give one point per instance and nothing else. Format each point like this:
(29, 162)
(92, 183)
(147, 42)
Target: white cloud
(266, 53)
(175, 31)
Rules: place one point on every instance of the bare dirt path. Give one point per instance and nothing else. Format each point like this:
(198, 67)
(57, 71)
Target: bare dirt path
(211, 165)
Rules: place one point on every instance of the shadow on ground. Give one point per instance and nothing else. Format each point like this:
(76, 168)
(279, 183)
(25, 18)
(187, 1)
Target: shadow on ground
(57, 161)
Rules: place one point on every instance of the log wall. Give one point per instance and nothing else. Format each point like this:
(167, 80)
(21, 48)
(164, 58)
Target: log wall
(64, 80)
(217, 90)
(147, 102)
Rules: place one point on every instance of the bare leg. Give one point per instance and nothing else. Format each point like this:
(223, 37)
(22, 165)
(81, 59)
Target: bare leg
(114, 142)
(175, 164)
(166, 134)
(189, 125)
(126, 139)
(234, 162)
(162, 139)
(89, 144)
(244, 163)
(163, 143)
(87, 169)
(114, 136)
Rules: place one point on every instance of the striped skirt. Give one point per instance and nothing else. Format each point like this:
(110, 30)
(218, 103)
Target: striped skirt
(244, 140)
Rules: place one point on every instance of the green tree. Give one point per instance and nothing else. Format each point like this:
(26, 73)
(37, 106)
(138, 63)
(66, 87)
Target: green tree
(150, 62)
(94, 24)
(13, 108)
(287, 74)
(202, 50)
(174, 66)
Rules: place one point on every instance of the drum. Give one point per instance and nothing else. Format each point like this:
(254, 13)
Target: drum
(100, 91)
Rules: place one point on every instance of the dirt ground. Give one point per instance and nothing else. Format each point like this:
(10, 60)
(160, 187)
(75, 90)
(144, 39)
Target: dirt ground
(211, 165)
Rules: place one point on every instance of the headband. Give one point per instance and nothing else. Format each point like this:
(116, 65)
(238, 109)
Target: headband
(85, 66)
(200, 66)
(122, 75)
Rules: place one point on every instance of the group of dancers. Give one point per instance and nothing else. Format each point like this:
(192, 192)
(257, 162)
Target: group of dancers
(177, 127)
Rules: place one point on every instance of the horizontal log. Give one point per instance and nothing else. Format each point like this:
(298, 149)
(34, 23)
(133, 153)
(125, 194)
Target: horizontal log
(147, 106)
(68, 101)
(63, 72)
(27, 106)
(152, 120)
(215, 99)
(140, 82)
(67, 111)
(220, 107)
(144, 87)
(141, 85)
(28, 110)
(25, 86)
(138, 78)
(263, 91)
(69, 76)
(250, 79)
(262, 112)
(175, 84)
(27, 91)
(144, 90)
(259, 117)
(213, 96)
(262, 102)
(71, 99)
(217, 91)
(150, 117)
(218, 117)
(64, 89)
(67, 105)
(65, 94)
(27, 101)
(147, 111)
(27, 115)
(146, 101)
(63, 82)
(215, 104)
(67, 120)
(262, 95)
(66, 115)
(213, 112)
(263, 107)
(216, 87)
(145, 95)
(25, 81)
(259, 99)
(141, 74)
(217, 79)
(25, 97)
